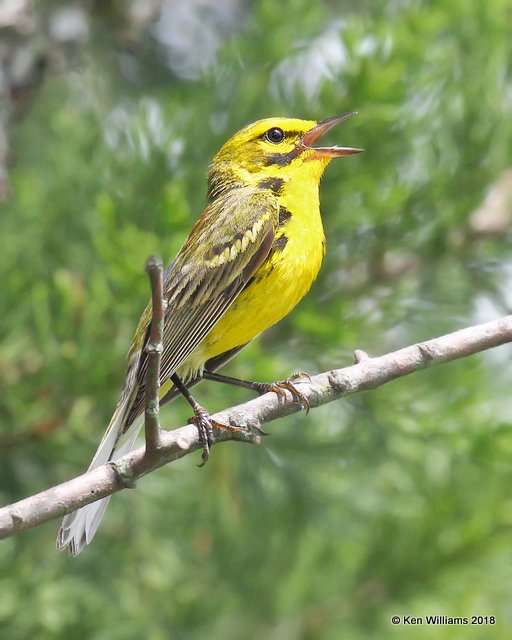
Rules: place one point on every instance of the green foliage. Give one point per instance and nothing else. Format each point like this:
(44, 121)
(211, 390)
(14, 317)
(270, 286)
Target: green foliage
(392, 502)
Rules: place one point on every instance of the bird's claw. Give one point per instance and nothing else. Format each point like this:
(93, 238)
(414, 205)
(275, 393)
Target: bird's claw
(205, 427)
(281, 387)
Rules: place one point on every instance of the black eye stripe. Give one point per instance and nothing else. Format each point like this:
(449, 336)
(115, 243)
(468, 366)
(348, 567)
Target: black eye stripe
(275, 135)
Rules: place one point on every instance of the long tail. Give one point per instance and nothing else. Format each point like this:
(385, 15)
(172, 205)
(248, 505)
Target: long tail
(78, 528)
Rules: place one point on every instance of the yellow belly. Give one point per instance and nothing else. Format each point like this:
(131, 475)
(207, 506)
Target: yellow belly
(279, 284)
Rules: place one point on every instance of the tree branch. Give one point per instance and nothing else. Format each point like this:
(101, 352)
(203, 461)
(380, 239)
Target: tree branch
(367, 373)
(154, 349)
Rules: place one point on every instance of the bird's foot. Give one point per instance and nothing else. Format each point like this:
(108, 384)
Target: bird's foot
(281, 387)
(205, 428)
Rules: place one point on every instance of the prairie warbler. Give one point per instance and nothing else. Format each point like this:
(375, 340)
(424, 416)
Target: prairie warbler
(250, 258)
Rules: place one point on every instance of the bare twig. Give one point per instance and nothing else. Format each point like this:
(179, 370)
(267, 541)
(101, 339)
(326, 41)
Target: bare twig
(368, 373)
(154, 349)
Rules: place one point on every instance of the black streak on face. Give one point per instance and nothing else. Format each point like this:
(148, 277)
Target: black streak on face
(282, 159)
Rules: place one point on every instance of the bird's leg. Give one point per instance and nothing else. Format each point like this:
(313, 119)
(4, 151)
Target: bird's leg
(279, 388)
(201, 420)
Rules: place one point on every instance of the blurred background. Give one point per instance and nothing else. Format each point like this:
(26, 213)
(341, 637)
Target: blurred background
(392, 502)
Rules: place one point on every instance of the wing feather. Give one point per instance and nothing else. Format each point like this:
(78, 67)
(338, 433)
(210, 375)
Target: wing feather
(226, 247)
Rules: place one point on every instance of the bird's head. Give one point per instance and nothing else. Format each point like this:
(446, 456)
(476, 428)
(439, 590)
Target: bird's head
(274, 148)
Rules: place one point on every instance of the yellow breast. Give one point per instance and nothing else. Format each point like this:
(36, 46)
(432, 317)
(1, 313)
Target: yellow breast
(278, 285)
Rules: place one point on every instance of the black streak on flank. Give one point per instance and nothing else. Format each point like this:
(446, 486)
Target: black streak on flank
(284, 216)
(274, 184)
(280, 243)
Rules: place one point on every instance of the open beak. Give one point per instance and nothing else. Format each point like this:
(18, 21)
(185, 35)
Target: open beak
(311, 136)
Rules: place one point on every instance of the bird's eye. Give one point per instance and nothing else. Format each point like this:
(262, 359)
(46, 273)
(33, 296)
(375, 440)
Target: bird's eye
(275, 135)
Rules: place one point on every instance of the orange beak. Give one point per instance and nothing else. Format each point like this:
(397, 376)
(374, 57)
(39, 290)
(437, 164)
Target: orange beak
(311, 136)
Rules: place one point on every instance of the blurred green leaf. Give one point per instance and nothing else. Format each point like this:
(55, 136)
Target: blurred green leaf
(392, 502)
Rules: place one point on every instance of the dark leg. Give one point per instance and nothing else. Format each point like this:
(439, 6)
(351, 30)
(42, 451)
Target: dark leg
(202, 419)
(279, 388)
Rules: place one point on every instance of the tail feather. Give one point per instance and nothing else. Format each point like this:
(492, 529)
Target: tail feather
(78, 528)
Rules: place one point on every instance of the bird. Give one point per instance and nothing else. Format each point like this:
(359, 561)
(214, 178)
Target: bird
(249, 259)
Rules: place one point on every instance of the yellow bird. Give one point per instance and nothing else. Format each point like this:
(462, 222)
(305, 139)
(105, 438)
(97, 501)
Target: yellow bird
(250, 258)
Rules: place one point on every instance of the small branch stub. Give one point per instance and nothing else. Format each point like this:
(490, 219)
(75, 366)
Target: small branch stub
(154, 349)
